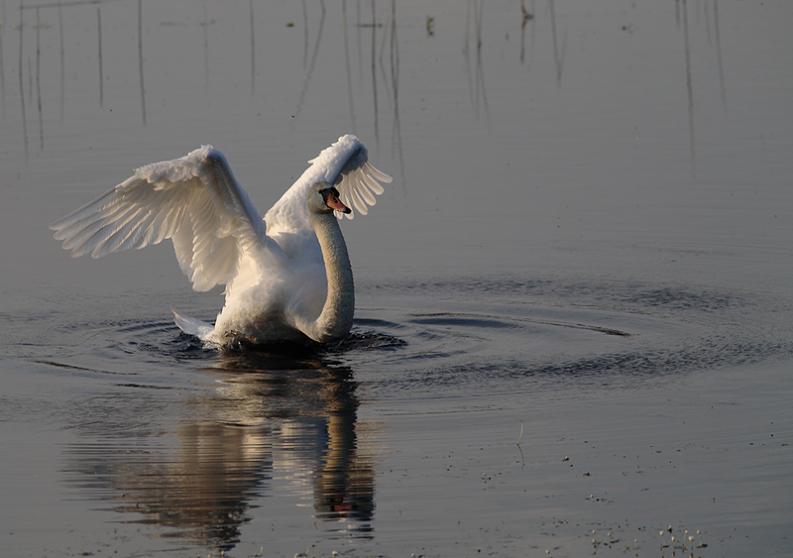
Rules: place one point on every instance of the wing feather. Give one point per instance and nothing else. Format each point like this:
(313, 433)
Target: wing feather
(345, 164)
(118, 234)
(194, 201)
(367, 194)
(77, 235)
(359, 182)
(372, 183)
(377, 174)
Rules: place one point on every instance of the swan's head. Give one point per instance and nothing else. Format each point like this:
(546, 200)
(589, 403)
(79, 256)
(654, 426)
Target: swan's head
(324, 198)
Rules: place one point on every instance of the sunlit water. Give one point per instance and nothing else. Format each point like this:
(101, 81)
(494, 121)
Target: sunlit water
(574, 320)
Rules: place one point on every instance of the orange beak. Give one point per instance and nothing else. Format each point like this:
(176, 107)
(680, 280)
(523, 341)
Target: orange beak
(333, 202)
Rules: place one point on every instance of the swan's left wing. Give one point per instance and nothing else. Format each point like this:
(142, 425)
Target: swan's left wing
(346, 165)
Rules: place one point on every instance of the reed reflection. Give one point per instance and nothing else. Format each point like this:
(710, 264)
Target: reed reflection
(140, 63)
(38, 80)
(313, 63)
(62, 52)
(2, 61)
(527, 15)
(205, 43)
(476, 84)
(253, 48)
(21, 78)
(99, 57)
(720, 61)
(689, 91)
(374, 78)
(396, 139)
(269, 421)
(347, 64)
(558, 53)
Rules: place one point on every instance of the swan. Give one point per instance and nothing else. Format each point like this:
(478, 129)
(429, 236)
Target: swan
(287, 275)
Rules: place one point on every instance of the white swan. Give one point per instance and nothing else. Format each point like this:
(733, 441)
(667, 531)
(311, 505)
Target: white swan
(287, 275)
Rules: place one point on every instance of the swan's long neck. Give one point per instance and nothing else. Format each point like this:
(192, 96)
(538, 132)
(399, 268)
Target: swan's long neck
(335, 320)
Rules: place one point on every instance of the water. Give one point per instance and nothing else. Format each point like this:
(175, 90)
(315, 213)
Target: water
(574, 323)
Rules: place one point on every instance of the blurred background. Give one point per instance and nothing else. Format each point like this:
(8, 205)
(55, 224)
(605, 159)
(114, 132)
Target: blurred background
(627, 138)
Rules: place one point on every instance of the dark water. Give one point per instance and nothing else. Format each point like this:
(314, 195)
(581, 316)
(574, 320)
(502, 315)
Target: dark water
(574, 326)
(155, 443)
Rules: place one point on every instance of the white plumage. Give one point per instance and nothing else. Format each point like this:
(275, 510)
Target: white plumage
(277, 282)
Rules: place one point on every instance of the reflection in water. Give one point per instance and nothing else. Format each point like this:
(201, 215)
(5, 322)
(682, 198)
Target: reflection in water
(359, 51)
(347, 65)
(689, 89)
(2, 60)
(38, 80)
(270, 420)
(99, 56)
(481, 92)
(526, 17)
(385, 86)
(533, 30)
(467, 52)
(205, 43)
(140, 63)
(62, 60)
(719, 60)
(305, 33)
(253, 48)
(21, 77)
(397, 125)
(386, 26)
(206, 21)
(313, 62)
(707, 23)
(476, 84)
(558, 53)
(374, 78)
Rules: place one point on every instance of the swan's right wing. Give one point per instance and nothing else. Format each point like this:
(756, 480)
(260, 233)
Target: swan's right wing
(359, 182)
(346, 165)
(194, 201)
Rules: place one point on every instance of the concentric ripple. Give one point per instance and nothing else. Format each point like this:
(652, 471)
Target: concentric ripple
(171, 435)
(470, 332)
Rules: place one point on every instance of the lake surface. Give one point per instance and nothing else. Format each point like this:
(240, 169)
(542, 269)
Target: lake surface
(574, 322)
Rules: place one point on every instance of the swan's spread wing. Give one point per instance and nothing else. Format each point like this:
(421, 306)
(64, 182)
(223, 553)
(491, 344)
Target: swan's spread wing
(345, 164)
(195, 201)
(359, 182)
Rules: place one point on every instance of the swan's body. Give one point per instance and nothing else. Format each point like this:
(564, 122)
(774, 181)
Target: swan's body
(287, 275)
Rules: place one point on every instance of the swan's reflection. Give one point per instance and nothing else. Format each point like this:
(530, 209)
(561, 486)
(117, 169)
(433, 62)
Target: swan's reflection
(271, 424)
(317, 408)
